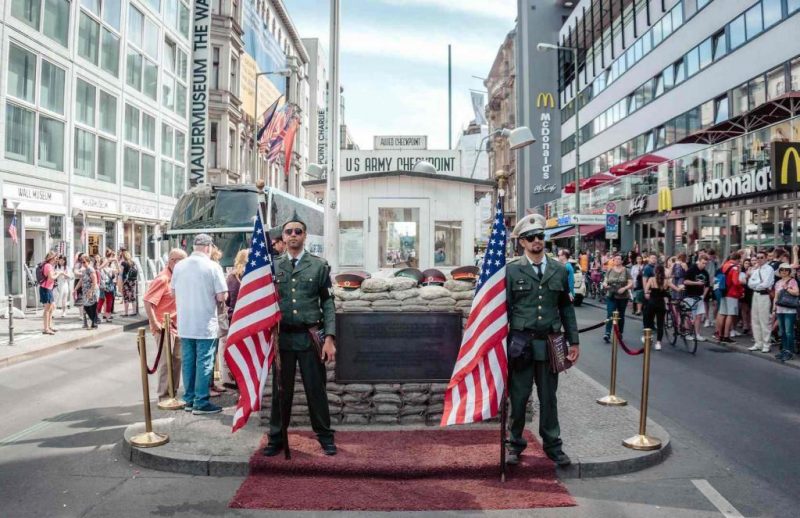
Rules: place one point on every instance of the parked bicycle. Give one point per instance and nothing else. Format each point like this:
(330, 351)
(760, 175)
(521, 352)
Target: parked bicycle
(679, 323)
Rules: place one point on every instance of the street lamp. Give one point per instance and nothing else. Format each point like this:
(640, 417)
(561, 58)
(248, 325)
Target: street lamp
(517, 138)
(284, 72)
(545, 47)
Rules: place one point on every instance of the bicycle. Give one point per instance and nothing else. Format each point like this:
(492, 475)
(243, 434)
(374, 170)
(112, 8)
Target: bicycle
(594, 288)
(679, 323)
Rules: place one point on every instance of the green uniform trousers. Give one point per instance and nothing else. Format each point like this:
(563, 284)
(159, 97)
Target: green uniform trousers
(521, 379)
(314, 380)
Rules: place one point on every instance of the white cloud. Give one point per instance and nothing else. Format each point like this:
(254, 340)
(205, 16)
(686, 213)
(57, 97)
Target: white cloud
(503, 9)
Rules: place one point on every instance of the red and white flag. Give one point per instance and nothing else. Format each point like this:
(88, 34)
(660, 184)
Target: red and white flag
(249, 350)
(12, 230)
(479, 376)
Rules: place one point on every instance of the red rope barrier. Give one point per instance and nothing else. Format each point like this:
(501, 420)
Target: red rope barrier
(158, 354)
(621, 343)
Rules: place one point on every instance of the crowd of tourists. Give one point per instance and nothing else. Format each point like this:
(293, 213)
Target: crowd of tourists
(749, 296)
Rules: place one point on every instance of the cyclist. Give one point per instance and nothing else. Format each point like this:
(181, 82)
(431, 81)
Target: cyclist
(656, 292)
(697, 282)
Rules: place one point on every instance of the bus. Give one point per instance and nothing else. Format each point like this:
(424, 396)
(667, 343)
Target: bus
(227, 212)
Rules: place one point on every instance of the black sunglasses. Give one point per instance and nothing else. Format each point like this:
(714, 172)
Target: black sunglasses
(295, 231)
(531, 237)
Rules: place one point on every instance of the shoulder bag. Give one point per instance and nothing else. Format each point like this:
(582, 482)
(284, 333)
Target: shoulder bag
(786, 299)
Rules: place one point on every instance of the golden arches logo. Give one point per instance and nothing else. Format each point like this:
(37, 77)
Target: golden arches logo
(545, 98)
(787, 155)
(664, 199)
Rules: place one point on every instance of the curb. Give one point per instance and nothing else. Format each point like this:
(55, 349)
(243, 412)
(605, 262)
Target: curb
(239, 465)
(69, 344)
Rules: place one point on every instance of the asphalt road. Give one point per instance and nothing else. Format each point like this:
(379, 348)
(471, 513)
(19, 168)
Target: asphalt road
(732, 418)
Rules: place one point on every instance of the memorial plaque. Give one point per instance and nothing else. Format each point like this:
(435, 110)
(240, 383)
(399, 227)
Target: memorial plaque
(397, 347)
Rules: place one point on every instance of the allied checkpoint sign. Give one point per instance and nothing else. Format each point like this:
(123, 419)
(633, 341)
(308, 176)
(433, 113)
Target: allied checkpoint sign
(394, 347)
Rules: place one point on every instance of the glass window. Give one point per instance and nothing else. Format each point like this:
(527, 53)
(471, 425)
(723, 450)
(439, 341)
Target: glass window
(51, 143)
(134, 70)
(447, 243)
(131, 168)
(794, 72)
(351, 243)
(166, 178)
(707, 114)
(19, 133)
(680, 71)
(168, 92)
(705, 53)
(180, 146)
(659, 85)
(785, 225)
(155, 5)
(166, 140)
(692, 62)
(148, 132)
(148, 173)
(669, 77)
(720, 45)
(135, 26)
(736, 32)
(84, 153)
(740, 99)
(398, 237)
(106, 160)
(180, 100)
(755, 23)
(772, 12)
(150, 79)
(21, 73)
(88, 38)
(92, 5)
(84, 102)
(776, 82)
(131, 124)
(183, 19)
(151, 38)
(792, 5)
(721, 109)
(677, 16)
(666, 26)
(111, 13)
(27, 11)
(180, 180)
(108, 113)
(757, 95)
(56, 20)
(51, 96)
(110, 59)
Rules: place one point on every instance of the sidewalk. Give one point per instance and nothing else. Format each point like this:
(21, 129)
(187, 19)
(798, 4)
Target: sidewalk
(592, 434)
(30, 343)
(741, 345)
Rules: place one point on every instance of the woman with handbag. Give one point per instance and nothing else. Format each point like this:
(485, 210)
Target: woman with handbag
(787, 296)
(616, 283)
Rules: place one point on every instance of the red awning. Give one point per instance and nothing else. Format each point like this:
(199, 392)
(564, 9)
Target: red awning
(592, 181)
(586, 231)
(637, 164)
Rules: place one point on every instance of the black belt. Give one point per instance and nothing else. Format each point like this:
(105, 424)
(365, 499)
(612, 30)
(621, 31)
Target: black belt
(302, 328)
(536, 335)
(762, 292)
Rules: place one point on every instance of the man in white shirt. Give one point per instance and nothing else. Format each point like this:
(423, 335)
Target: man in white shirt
(198, 284)
(760, 279)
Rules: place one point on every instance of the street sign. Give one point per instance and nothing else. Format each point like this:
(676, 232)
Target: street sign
(611, 207)
(612, 226)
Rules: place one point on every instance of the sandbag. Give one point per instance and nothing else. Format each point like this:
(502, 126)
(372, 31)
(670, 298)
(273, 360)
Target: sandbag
(355, 419)
(453, 285)
(374, 285)
(381, 295)
(355, 304)
(401, 283)
(433, 292)
(463, 295)
(405, 294)
(343, 294)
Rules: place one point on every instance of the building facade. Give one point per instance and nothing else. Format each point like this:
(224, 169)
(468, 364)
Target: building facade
(500, 114)
(94, 134)
(694, 106)
(317, 128)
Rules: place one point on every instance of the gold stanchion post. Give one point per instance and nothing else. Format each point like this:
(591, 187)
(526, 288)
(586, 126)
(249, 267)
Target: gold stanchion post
(170, 403)
(642, 441)
(612, 399)
(149, 438)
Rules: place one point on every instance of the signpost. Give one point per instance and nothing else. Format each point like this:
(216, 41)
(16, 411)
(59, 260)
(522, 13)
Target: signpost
(612, 226)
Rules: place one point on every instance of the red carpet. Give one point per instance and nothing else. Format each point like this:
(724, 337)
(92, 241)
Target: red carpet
(419, 470)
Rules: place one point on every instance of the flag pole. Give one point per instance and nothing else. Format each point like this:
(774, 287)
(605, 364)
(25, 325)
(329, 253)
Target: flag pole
(277, 361)
(501, 192)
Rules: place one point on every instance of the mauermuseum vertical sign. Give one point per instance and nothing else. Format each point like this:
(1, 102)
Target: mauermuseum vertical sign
(200, 74)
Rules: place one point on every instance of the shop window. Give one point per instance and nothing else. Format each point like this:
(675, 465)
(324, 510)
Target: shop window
(736, 34)
(754, 21)
(786, 224)
(398, 237)
(734, 219)
(351, 243)
(13, 265)
(447, 243)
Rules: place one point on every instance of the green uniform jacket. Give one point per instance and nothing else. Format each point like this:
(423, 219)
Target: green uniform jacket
(306, 299)
(542, 307)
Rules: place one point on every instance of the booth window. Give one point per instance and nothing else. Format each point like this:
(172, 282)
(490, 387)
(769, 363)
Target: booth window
(398, 241)
(351, 243)
(447, 243)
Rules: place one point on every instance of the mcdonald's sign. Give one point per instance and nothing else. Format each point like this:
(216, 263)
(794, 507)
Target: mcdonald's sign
(786, 166)
(664, 199)
(545, 99)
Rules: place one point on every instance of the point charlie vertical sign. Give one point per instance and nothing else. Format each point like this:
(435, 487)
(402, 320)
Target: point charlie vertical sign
(200, 74)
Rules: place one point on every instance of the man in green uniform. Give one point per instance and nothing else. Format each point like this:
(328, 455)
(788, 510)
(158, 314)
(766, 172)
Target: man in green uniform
(538, 299)
(306, 301)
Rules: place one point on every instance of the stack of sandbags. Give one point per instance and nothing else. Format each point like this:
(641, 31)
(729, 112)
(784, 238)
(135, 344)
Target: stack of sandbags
(433, 415)
(386, 403)
(415, 398)
(357, 403)
(397, 294)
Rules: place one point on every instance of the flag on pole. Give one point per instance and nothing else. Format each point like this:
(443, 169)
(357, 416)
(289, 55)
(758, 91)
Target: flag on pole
(479, 376)
(266, 118)
(12, 230)
(289, 145)
(249, 350)
(478, 108)
(276, 144)
(276, 125)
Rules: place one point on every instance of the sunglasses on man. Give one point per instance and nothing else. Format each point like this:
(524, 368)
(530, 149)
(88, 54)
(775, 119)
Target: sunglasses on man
(530, 238)
(295, 231)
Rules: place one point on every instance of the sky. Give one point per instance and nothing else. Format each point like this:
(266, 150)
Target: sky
(393, 62)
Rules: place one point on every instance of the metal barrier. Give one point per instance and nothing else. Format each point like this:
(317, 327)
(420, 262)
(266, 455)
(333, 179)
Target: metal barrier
(642, 441)
(149, 438)
(612, 399)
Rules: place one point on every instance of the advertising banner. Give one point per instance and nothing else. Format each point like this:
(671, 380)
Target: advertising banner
(262, 53)
(200, 74)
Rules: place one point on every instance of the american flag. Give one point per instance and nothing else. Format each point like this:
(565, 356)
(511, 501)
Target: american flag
(12, 230)
(249, 350)
(479, 376)
(267, 117)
